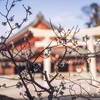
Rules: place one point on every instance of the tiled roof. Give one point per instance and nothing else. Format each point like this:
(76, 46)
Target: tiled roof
(21, 34)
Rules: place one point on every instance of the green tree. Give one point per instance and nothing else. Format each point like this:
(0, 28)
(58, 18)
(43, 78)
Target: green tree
(93, 13)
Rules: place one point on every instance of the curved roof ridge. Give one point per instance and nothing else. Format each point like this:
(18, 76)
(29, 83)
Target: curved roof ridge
(34, 23)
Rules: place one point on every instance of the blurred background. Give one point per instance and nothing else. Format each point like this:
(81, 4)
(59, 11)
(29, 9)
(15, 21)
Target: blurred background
(67, 13)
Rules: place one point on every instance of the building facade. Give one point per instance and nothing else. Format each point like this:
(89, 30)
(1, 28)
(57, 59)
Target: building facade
(70, 61)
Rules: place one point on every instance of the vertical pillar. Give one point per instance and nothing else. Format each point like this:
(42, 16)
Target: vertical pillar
(70, 67)
(93, 60)
(0, 70)
(3, 68)
(47, 61)
(47, 65)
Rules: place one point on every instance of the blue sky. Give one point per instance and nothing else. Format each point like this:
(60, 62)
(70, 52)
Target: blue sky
(66, 12)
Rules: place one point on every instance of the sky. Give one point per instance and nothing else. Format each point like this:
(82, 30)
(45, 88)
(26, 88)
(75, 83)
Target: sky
(68, 13)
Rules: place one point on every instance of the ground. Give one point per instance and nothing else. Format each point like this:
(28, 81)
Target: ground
(14, 92)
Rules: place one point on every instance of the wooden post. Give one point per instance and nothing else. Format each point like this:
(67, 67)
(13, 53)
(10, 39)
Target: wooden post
(70, 67)
(93, 60)
(47, 61)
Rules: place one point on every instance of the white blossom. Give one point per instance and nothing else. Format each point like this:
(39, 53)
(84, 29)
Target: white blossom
(88, 89)
(24, 73)
(78, 70)
(98, 90)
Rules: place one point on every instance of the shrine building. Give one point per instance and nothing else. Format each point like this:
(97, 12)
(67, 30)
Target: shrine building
(7, 67)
